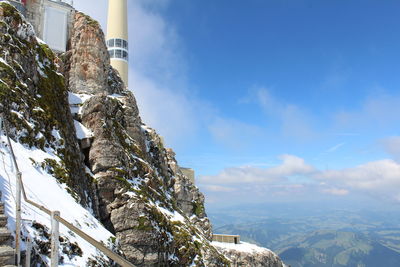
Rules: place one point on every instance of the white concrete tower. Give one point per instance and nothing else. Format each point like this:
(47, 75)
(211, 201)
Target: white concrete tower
(117, 36)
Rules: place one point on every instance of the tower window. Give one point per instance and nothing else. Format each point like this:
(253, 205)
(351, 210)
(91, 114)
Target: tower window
(117, 43)
(118, 53)
(110, 43)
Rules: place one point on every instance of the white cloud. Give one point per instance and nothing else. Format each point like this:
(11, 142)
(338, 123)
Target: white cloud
(336, 191)
(392, 146)
(375, 112)
(291, 165)
(380, 178)
(219, 188)
(295, 178)
(171, 114)
(294, 121)
(334, 148)
(233, 133)
(158, 73)
(156, 48)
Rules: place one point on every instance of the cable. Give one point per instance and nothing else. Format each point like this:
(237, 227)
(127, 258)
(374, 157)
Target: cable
(2, 157)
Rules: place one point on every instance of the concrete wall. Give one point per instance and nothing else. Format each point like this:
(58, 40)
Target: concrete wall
(35, 13)
(235, 239)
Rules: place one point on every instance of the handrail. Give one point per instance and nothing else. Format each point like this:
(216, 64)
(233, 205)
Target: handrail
(109, 253)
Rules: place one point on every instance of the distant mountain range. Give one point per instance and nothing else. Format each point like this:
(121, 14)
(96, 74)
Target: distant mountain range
(326, 239)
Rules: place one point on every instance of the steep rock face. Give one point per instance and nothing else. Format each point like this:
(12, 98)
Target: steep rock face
(94, 75)
(189, 199)
(37, 109)
(135, 175)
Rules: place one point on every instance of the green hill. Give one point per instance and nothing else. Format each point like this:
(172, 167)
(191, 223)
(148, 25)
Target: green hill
(337, 249)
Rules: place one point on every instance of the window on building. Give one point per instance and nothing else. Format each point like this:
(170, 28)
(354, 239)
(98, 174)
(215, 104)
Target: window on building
(110, 43)
(118, 42)
(118, 53)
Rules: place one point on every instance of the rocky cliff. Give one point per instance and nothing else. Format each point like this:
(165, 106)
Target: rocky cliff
(74, 106)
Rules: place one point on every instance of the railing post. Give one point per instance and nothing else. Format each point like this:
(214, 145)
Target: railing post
(28, 252)
(18, 220)
(54, 238)
(18, 184)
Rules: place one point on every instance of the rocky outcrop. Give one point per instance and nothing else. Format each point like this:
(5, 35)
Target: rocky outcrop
(245, 254)
(189, 199)
(93, 75)
(155, 212)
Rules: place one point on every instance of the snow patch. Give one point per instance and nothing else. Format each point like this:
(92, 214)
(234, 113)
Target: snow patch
(117, 97)
(44, 189)
(2, 60)
(242, 247)
(56, 134)
(81, 131)
(40, 41)
(174, 216)
(77, 99)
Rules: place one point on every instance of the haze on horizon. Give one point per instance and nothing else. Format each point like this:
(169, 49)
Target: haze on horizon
(272, 101)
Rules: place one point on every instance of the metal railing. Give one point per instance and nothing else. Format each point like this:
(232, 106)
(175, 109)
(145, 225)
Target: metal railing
(55, 220)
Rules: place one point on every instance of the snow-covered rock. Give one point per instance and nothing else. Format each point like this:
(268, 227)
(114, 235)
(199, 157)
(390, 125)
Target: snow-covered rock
(43, 189)
(246, 254)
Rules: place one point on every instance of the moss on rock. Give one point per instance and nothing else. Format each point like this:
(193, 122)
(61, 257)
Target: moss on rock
(34, 98)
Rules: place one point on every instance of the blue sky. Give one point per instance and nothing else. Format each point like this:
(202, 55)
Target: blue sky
(272, 100)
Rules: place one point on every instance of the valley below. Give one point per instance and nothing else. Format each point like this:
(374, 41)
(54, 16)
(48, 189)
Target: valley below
(316, 237)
